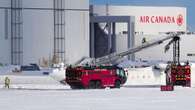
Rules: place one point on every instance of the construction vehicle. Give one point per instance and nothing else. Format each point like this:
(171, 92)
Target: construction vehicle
(86, 76)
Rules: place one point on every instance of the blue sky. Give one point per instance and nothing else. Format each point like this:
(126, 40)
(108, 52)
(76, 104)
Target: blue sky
(189, 4)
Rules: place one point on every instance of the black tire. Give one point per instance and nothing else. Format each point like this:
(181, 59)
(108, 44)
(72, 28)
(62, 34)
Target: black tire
(92, 85)
(188, 84)
(74, 87)
(168, 81)
(98, 84)
(117, 84)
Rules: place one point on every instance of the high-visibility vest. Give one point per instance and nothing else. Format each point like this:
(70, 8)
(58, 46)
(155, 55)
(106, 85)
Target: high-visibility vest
(7, 80)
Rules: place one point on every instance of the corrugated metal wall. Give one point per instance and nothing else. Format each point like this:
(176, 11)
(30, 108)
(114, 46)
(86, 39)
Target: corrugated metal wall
(5, 39)
(38, 30)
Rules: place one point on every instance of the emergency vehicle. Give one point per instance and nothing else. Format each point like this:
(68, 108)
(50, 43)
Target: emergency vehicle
(95, 77)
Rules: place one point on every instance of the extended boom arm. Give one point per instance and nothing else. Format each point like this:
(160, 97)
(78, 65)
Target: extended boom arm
(116, 56)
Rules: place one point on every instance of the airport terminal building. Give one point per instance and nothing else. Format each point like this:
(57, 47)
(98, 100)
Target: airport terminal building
(35, 31)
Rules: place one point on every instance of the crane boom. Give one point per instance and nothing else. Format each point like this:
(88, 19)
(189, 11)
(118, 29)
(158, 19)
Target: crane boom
(116, 56)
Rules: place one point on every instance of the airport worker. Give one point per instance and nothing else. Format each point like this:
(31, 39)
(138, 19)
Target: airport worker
(7, 82)
(143, 40)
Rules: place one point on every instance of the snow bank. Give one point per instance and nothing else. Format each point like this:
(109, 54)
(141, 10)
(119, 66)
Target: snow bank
(58, 74)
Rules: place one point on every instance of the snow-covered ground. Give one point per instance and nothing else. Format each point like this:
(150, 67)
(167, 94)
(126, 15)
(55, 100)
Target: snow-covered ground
(103, 99)
(45, 92)
(43, 82)
(33, 79)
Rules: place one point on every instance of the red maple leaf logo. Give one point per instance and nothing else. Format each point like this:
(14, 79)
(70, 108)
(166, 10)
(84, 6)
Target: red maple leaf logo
(179, 20)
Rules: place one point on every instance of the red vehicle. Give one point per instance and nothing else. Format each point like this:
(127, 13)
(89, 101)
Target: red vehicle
(95, 77)
(179, 75)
